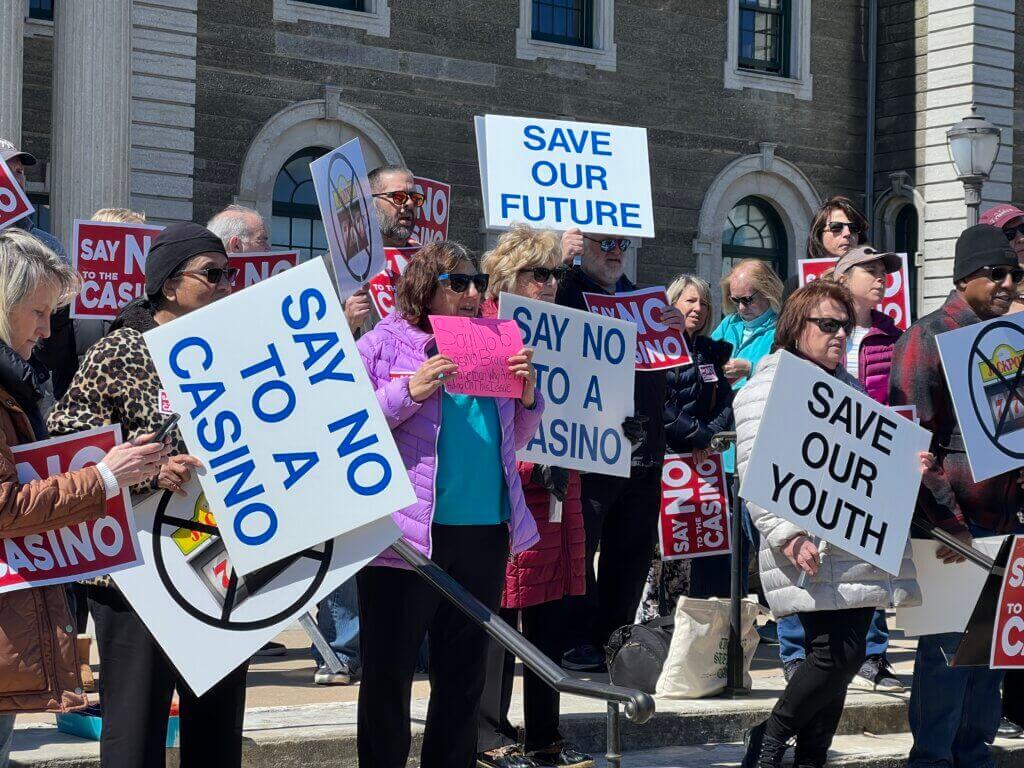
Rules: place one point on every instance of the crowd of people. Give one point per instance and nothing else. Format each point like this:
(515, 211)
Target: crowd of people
(566, 557)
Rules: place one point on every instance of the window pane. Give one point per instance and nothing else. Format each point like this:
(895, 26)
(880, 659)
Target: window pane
(301, 232)
(40, 9)
(305, 194)
(351, 5)
(763, 35)
(319, 237)
(279, 231)
(568, 22)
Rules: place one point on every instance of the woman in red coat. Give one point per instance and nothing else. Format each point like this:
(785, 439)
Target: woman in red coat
(527, 263)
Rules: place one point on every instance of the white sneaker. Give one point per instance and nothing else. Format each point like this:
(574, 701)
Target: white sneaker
(324, 676)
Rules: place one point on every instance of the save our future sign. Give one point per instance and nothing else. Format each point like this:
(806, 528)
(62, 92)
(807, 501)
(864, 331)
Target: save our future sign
(834, 462)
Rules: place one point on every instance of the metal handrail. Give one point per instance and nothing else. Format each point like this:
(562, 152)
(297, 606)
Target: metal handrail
(638, 706)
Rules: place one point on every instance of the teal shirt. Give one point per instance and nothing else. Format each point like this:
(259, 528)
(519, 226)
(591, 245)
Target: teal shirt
(470, 483)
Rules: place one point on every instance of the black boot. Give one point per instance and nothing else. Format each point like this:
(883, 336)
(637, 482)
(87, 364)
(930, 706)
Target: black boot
(762, 751)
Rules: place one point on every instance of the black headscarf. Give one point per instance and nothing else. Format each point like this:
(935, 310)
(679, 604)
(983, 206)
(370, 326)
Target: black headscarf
(173, 247)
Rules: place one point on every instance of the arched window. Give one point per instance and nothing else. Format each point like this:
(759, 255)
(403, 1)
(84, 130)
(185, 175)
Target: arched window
(297, 224)
(905, 241)
(753, 231)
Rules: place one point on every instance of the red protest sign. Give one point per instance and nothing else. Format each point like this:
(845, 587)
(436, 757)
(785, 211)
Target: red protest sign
(480, 347)
(432, 222)
(382, 285)
(111, 257)
(73, 552)
(1008, 635)
(657, 346)
(14, 204)
(895, 303)
(694, 518)
(254, 267)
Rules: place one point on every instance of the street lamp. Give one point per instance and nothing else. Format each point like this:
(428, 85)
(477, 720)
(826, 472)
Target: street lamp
(973, 146)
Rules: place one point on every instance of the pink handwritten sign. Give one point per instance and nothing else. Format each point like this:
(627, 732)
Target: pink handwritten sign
(480, 348)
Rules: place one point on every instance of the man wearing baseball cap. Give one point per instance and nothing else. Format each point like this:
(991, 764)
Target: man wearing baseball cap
(955, 711)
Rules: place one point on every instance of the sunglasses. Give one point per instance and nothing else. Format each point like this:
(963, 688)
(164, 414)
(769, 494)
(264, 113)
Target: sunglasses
(607, 245)
(1012, 232)
(830, 325)
(459, 282)
(401, 197)
(213, 275)
(543, 274)
(836, 227)
(745, 301)
(999, 274)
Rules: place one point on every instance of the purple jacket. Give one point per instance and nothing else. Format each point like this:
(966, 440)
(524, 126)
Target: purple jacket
(875, 361)
(393, 351)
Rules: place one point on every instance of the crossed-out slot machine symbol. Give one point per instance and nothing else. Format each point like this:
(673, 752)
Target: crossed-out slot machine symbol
(1000, 381)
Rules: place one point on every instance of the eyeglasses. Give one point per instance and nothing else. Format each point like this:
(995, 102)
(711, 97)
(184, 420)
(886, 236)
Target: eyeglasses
(999, 274)
(745, 301)
(459, 282)
(830, 325)
(543, 274)
(836, 227)
(1012, 232)
(213, 275)
(401, 197)
(607, 245)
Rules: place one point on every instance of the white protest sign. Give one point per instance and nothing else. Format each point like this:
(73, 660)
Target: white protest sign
(584, 368)
(559, 174)
(836, 463)
(350, 221)
(949, 591)
(207, 619)
(983, 365)
(275, 401)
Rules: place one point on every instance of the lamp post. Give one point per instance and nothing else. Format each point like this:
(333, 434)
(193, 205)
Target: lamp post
(973, 146)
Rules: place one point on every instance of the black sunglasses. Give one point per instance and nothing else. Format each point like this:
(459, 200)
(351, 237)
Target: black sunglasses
(459, 282)
(745, 301)
(607, 245)
(401, 197)
(1012, 232)
(830, 325)
(836, 227)
(213, 275)
(999, 274)
(543, 274)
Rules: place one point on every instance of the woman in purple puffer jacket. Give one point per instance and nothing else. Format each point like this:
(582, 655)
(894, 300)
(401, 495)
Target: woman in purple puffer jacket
(469, 515)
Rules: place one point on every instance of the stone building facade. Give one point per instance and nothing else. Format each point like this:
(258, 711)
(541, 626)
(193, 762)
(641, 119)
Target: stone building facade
(198, 103)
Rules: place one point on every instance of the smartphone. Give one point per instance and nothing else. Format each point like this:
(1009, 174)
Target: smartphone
(166, 427)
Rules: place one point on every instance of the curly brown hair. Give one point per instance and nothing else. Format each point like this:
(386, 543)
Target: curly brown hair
(418, 284)
(801, 305)
(815, 247)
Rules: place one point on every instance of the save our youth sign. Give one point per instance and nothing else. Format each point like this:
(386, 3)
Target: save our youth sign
(14, 203)
(73, 552)
(111, 257)
(983, 364)
(836, 463)
(895, 302)
(559, 174)
(283, 416)
(694, 519)
(657, 346)
(584, 368)
(480, 347)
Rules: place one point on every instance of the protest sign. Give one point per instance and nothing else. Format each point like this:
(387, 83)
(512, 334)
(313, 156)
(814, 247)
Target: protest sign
(585, 373)
(895, 303)
(983, 364)
(694, 507)
(255, 267)
(836, 463)
(432, 221)
(907, 412)
(286, 477)
(350, 221)
(382, 285)
(73, 552)
(206, 617)
(480, 347)
(1008, 637)
(559, 174)
(111, 257)
(657, 346)
(14, 203)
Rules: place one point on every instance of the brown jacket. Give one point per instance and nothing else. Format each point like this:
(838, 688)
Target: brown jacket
(39, 666)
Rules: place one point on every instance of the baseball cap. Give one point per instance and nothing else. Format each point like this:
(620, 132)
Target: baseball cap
(8, 151)
(998, 215)
(863, 254)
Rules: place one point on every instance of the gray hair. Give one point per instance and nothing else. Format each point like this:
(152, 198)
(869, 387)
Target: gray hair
(684, 281)
(25, 264)
(231, 222)
(376, 175)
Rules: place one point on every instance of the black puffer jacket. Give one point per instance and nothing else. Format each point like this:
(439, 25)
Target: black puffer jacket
(699, 399)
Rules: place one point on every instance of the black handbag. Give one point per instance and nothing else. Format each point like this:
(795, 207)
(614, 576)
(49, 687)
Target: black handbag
(637, 652)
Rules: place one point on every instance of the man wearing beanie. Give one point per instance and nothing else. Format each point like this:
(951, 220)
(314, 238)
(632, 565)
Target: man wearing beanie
(955, 711)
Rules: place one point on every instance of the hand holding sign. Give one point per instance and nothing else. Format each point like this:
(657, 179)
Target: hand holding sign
(803, 554)
(482, 349)
(434, 372)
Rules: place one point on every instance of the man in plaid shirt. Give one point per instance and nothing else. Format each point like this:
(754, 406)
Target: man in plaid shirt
(954, 712)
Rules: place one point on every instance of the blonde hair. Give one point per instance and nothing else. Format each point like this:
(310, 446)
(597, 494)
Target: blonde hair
(762, 278)
(25, 263)
(119, 216)
(684, 281)
(522, 247)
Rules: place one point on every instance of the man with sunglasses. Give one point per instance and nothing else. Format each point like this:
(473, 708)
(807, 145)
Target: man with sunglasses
(955, 711)
(397, 204)
(1010, 219)
(620, 514)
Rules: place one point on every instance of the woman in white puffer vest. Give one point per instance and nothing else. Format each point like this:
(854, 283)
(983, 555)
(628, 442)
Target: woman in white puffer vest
(833, 593)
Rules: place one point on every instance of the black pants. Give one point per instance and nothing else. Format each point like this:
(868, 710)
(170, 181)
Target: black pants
(137, 683)
(621, 517)
(543, 625)
(812, 703)
(397, 608)
(1013, 695)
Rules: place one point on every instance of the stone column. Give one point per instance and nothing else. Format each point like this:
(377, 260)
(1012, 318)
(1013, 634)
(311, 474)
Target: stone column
(91, 110)
(12, 35)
